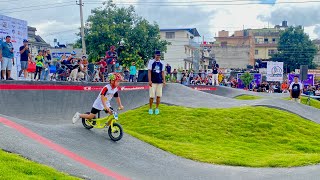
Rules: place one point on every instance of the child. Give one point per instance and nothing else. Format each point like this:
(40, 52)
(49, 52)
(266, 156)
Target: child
(103, 65)
(133, 71)
(103, 100)
(39, 64)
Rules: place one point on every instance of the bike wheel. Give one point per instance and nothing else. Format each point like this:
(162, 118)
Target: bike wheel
(117, 134)
(85, 122)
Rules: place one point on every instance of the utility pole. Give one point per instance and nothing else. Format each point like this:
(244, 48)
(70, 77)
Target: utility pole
(84, 50)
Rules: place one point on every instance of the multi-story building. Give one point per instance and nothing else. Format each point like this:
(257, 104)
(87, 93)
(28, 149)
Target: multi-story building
(36, 42)
(262, 43)
(182, 52)
(235, 51)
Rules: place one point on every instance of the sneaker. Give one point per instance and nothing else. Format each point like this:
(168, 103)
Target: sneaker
(150, 111)
(157, 111)
(76, 117)
(10, 79)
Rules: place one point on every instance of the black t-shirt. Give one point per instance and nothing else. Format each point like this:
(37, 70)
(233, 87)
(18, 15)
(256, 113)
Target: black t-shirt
(296, 90)
(24, 55)
(215, 71)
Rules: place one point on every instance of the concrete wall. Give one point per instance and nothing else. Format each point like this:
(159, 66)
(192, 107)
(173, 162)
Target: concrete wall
(316, 59)
(232, 57)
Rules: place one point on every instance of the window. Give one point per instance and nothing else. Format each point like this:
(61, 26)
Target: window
(271, 51)
(273, 40)
(170, 35)
(256, 52)
(266, 40)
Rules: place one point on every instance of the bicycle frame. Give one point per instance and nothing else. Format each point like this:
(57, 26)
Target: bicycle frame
(105, 121)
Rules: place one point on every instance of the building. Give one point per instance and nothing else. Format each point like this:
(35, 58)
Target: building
(36, 42)
(182, 52)
(262, 43)
(235, 51)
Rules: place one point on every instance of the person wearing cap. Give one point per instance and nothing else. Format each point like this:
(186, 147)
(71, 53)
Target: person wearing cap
(156, 78)
(7, 60)
(111, 59)
(25, 56)
(296, 89)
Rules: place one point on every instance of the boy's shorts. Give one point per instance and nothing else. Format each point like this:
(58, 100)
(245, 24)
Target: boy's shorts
(155, 90)
(24, 65)
(96, 111)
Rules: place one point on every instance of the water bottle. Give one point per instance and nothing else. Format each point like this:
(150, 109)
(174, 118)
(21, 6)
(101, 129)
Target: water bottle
(115, 115)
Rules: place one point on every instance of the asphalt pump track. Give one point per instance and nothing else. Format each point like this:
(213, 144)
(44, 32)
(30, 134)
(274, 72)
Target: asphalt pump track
(46, 110)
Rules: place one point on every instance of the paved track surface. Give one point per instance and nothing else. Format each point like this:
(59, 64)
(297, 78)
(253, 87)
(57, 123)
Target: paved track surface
(48, 113)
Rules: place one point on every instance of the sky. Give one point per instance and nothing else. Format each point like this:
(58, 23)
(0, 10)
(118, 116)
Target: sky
(60, 18)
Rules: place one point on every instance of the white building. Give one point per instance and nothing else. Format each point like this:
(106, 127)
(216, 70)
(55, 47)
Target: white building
(181, 51)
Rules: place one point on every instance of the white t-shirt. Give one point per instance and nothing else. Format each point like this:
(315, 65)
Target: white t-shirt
(109, 93)
(300, 84)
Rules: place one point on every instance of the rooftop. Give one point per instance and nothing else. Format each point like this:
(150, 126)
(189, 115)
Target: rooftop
(193, 31)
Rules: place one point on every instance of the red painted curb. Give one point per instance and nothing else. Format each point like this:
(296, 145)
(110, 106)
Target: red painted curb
(61, 150)
(65, 87)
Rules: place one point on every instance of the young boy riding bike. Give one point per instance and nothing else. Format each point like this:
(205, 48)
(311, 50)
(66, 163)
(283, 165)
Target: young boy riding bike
(103, 100)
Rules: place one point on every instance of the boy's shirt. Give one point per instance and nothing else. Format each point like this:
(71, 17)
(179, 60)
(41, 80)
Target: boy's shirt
(39, 61)
(103, 65)
(109, 93)
(133, 70)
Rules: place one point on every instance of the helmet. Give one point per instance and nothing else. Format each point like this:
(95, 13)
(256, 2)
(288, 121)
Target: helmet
(114, 76)
(73, 53)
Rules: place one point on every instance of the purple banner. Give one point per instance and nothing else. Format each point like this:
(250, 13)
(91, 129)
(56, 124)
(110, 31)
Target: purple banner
(257, 78)
(309, 81)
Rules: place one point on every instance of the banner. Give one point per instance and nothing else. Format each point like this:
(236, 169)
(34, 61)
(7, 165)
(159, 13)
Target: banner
(275, 71)
(257, 78)
(18, 30)
(309, 81)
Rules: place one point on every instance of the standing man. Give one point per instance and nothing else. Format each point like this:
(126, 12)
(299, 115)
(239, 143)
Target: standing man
(111, 57)
(168, 70)
(156, 80)
(7, 58)
(296, 89)
(25, 56)
(215, 75)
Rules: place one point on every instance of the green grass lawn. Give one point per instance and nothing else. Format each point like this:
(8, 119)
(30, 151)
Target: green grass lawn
(13, 166)
(244, 136)
(247, 97)
(313, 102)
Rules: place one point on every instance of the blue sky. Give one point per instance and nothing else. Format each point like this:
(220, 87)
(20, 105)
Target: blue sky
(268, 1)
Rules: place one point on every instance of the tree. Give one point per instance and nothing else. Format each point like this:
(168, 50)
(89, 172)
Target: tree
(246, 78)
(111, 25)
(295, 48)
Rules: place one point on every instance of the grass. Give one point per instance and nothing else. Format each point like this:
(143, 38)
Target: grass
(244, 136)
(13, 166)
(248, 97)
(313, 102)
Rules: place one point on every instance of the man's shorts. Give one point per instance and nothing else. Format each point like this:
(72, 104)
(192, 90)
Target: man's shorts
(6, 64)
(155, 90)
(24, 65)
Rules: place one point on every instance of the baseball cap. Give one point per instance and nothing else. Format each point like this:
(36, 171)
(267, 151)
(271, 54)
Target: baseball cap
(157, 52)
(25, 40)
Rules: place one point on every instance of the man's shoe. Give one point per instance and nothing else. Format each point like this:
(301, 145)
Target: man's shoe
(150, 111)
(76, 117)
(157, 111)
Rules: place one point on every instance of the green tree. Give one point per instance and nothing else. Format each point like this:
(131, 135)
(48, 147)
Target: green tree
(246, 78)
(111, 25)
(295, 48)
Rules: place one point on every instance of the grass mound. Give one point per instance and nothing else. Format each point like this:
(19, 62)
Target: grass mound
(313, 102)
(248, 97)
(245, 136)
(13, 166)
